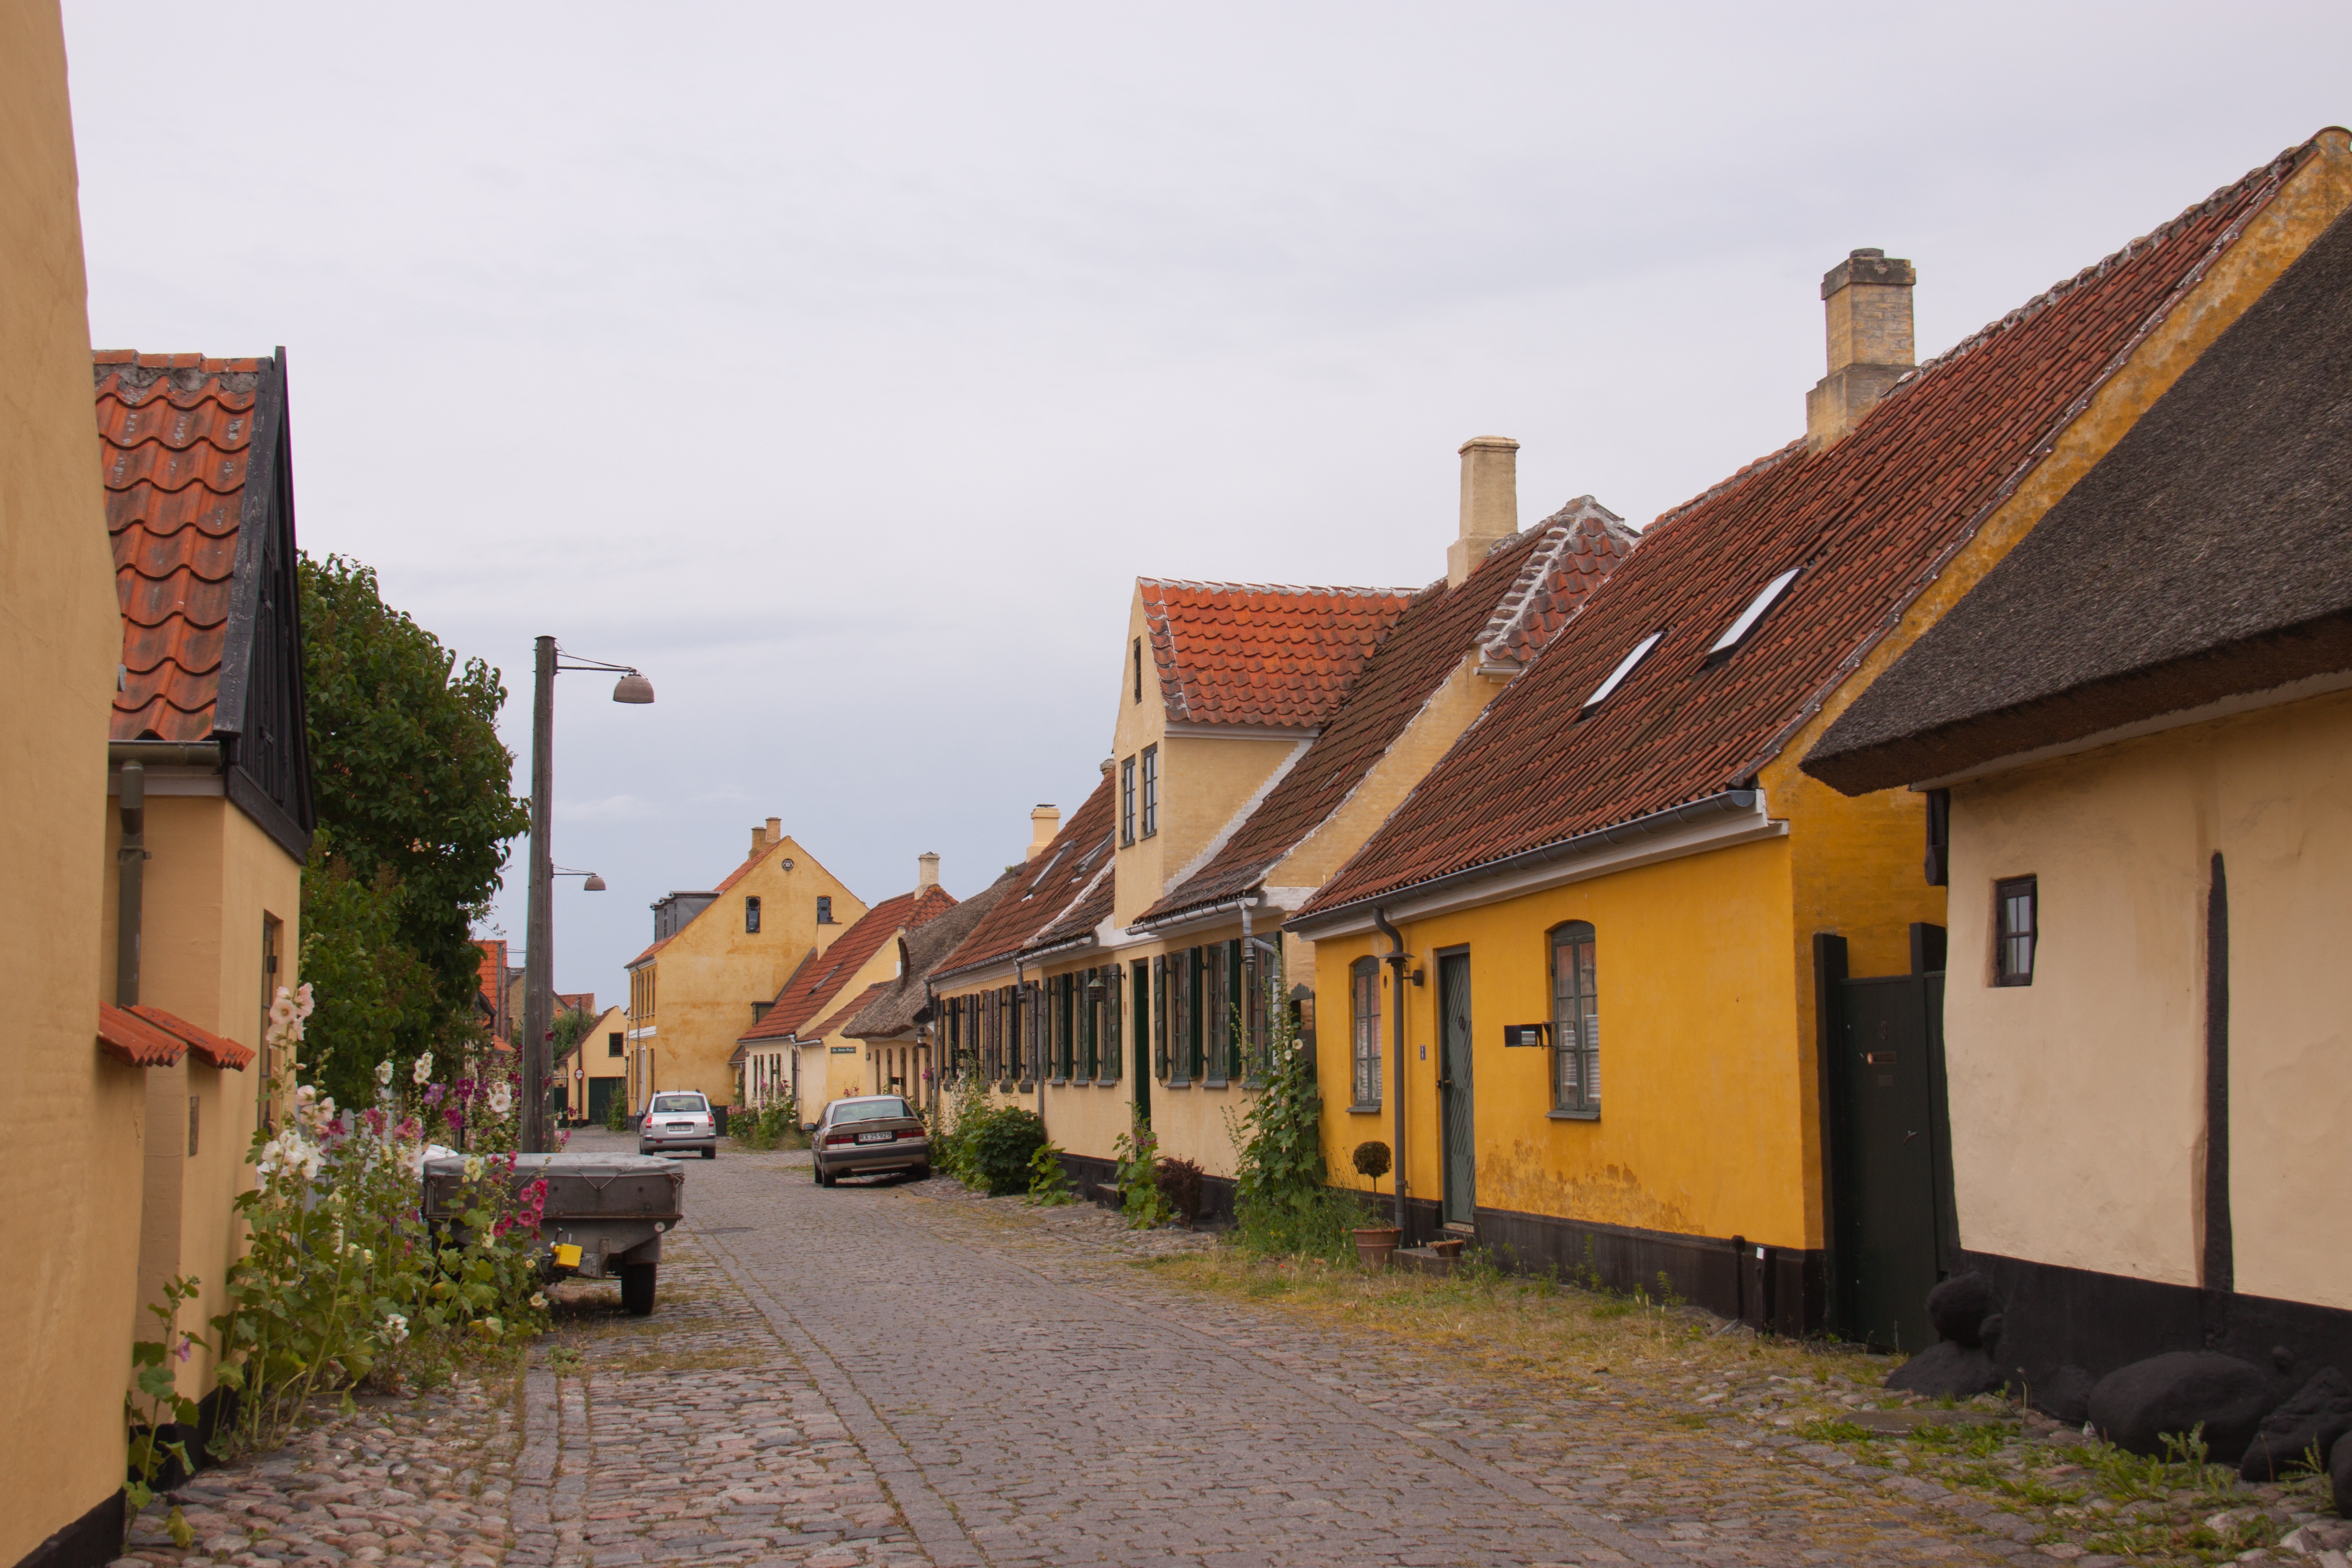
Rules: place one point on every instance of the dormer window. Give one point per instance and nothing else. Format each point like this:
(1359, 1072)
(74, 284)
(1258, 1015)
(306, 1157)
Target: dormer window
(1625, 668)
(752, 916)
(1763, 601)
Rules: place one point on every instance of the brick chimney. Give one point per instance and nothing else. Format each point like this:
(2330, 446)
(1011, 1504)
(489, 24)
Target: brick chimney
(1868, 304)
(1490, 503)
(1043, 822)
(927, 870)
(759, 840)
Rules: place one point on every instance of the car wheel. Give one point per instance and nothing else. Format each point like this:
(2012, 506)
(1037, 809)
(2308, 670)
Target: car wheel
(825, 1178)
(637, 1288)
(816, 1173)
(711, 1153)
(919, 1173)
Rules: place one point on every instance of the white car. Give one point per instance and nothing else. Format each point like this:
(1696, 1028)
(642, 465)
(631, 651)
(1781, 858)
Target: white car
(679, 1120)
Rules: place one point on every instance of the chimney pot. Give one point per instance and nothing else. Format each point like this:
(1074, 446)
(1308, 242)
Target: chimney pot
(775, 830)
(1043, 822)
(1490, 503)
(759, 840)
(927, 870)
(1868, 316)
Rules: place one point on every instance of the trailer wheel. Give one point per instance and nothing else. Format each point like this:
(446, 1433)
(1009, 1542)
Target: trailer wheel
(637, 1288)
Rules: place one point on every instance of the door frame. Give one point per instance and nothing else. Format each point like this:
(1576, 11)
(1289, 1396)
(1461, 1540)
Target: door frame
(1459, 1099)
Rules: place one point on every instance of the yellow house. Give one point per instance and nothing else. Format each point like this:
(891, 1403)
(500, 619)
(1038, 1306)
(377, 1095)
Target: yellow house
(896, 1026)
(209, 775)
(598, 1072)
(1622, 867)
(718, 958)
(797, 1047)
(66, 1307)
(2137, 729)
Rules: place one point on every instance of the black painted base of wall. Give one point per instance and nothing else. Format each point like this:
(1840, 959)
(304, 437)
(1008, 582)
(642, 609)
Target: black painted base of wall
(1092, 1178)
(2054, 1317)
(90, 1541)
(1768, 1288)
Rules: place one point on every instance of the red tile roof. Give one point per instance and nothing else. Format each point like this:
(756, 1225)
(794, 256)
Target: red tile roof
(1520, 594)
(1871, 519)
(1260, 653)
(817, 979)
(173, 451)
(128, 1038)
(1050, 884)
(218, 1049)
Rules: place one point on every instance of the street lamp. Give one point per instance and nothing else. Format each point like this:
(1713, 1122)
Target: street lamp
(539, 958)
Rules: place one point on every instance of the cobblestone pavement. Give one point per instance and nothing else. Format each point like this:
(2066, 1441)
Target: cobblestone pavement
(896, 1373)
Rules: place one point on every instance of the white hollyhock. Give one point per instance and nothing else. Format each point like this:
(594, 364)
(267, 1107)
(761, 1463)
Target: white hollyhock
(501, 1099)
(396, 1326)
(423, 1074)
(384, 1073)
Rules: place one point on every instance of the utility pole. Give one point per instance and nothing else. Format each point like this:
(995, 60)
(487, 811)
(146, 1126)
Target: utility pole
(539, 959)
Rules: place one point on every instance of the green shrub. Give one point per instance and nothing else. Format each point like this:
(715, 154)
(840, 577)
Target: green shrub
(1140, 1199)
(1002, 1143)
(1049, 1183)
(1313, 1224)
(617, 1114)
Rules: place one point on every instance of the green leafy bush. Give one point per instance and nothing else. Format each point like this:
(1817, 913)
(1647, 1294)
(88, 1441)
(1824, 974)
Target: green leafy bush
(1049, 1181)
(1140, 1199)
(1006, 1139)
(776, 1125)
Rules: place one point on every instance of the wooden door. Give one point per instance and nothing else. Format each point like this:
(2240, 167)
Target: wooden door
(1891, 1161)
(1454, 1087)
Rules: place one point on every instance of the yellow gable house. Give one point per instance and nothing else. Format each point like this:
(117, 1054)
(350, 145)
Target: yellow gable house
(717, 960)
(1638, 994)
(68, 1303)
(797, 1047)
(598, 1072)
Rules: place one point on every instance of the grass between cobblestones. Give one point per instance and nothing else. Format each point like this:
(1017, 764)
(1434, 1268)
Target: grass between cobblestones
(2087, 1501)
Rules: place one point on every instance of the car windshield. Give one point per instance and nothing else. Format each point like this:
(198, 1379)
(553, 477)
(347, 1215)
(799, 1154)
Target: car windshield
(867, 1109)
(676, 1102)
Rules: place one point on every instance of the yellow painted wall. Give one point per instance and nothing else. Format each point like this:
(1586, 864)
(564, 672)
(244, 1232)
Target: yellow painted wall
(1704, 1081)
(709, 974)
(65, 1301)
(2078, 1101)
(211, 878)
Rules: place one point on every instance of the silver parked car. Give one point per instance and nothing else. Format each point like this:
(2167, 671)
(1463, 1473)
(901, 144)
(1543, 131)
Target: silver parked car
(675, 1122)
(867, 1136)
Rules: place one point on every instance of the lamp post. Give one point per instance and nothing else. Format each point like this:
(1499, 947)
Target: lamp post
(539, 958)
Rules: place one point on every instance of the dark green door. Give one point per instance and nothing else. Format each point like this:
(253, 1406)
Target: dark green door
(1453, 1086)
(1140, 1014)
(600, 1091)
(1891, 1160)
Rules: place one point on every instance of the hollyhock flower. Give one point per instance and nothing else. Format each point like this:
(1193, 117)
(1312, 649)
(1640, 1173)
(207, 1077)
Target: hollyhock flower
(433, 1094)
(501, 1099)
(456, 1118)
(396, 1326)
(422, 1072)
(384, 1073)
(281, 1011)
(473, 1167)
(303, 1002)
(538, 1300)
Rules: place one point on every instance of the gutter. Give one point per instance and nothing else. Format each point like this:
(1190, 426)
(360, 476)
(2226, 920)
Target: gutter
(1243, 902)
(1397, 957)
(165, 754)
(1656, 822)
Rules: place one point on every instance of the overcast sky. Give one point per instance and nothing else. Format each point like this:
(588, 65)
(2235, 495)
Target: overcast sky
(841, 366)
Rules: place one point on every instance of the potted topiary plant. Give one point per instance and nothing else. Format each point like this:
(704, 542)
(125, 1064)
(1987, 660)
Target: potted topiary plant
(1377, 1244)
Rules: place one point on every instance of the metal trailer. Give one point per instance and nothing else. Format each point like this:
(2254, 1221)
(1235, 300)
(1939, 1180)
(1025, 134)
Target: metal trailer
(605, 1219)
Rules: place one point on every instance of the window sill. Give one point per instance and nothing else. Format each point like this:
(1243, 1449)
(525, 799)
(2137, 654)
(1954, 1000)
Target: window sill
(1574, 1115)
(1371, 1110)
(1059, 1082)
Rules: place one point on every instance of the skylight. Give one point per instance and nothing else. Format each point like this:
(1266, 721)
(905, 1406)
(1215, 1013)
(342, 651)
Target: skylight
(1625, 668)
(1753, 613)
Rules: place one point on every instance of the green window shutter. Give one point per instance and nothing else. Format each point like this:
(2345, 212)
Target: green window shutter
(1160, 1019)
(1113, 1037)
(1237, 1021)
(1195, 1060)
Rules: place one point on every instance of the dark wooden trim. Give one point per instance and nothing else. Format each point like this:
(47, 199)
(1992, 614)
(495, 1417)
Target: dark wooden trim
(1830, 963)
(250, 798)
(1782, 1289)
(91, 1540)
(2054, 1315)
(252, 519)
(2220, 1271)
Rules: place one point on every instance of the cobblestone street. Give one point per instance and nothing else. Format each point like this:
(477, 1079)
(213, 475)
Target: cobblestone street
(905, 1375)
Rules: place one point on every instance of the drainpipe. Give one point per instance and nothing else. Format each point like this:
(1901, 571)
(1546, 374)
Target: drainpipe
(1397, 958)
(131, 859)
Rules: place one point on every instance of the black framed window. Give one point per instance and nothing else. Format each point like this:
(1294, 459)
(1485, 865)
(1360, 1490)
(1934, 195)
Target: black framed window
(1575, 1018)
(2017, 929)
(751, 916)
(1183, 1012)
(824, 911)
(1127, 801)
(1255, 967)
(1138, 669)
(1364, 1022)
(1217, 1019)
(612, 1047)
(1114, 1014)
(1151, 770)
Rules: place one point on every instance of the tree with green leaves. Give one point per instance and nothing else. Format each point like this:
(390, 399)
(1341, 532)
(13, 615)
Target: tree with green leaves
(416, 809)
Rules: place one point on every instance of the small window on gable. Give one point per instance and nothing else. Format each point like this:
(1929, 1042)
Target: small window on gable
(2017, 930)
(824, 911)
(612, 1047)
(751, 916)
(1138, 669)
(1625, 668)
(1763, 601)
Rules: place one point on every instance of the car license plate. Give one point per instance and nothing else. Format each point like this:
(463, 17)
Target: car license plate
(681, 1126)
(875, 1137)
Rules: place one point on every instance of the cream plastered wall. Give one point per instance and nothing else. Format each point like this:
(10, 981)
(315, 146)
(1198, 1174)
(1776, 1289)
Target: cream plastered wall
(66, 1303)
(212, 877)
(708, 977)
(2078, 1103)
(1703, 1083)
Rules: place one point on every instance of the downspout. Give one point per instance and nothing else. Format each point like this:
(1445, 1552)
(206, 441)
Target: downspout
(1397, 958)
(131, 859)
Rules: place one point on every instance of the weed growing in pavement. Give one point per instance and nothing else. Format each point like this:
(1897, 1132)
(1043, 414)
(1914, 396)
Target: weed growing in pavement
(1049, 1183)
(1140, 1199)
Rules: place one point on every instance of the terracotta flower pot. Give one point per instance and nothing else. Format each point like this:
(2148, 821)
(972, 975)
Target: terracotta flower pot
(1376, 1244)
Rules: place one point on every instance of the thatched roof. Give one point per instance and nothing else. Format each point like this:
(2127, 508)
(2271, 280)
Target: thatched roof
(902, 1003)
(2207, 556)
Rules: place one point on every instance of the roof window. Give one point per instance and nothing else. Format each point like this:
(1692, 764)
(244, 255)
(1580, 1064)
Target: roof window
(1625, 668)
(1763, 601)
